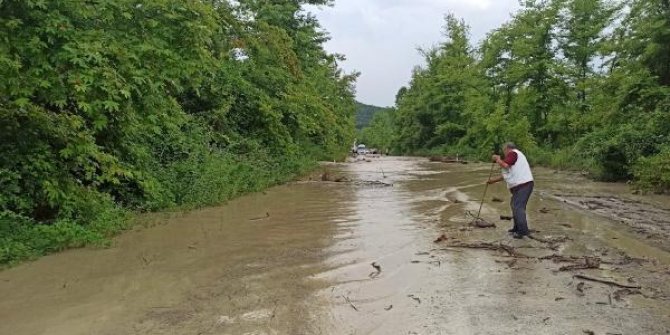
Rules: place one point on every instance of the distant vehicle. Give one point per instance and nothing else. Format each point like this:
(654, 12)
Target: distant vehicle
(362, 149)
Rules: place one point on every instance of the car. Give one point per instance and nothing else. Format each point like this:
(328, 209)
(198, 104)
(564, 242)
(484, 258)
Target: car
(361, 149)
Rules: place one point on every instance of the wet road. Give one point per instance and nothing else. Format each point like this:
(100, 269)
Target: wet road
(297, 260)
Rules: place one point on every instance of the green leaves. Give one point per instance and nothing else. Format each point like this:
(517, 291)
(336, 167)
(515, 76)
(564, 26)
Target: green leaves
(120, 103)
(586, 79)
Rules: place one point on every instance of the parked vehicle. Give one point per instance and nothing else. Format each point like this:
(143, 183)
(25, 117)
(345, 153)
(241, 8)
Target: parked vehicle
(362, 150)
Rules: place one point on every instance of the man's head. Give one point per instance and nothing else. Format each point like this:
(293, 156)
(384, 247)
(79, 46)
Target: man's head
(509, 146)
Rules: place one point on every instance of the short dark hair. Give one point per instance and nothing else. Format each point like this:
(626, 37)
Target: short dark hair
(510, 145)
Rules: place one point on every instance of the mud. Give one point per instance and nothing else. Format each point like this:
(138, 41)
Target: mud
(351, 257)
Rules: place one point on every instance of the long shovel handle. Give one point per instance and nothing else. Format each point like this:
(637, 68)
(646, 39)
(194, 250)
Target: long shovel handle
(485, 189)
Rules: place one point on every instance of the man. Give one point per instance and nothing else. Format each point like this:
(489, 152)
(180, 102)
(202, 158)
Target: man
(516, 172)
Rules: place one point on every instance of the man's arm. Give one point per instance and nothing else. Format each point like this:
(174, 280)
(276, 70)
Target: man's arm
(495, 180)
(509, 161)
(498, 160)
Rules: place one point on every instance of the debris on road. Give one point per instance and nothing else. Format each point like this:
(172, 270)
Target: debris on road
(267, 216)
(417, 299)
(442, 238)
(588, 263)
(606, 282)
(350, 303)
(481, 223)
(377, 272)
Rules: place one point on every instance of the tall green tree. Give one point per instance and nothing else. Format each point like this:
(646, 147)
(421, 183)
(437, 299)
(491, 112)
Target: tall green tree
(141, 105)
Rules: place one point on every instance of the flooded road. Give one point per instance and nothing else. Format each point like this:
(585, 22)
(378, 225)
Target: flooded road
(298, 259)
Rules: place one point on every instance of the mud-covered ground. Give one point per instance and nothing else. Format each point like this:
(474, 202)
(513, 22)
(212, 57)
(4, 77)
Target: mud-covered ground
(358, 257)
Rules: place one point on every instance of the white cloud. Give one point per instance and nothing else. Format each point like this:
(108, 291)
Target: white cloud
(380, 37)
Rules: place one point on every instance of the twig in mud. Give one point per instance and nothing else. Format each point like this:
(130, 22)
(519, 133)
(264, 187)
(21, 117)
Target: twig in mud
(447, 249)
(550, 240)
(490, 246)
(560, 258)
(267, 215)
(415, 298)
(378, 270)
(546, 210)
(589, 263)
(145, 260)
(607, 282)
(350, 303)
(442, 238)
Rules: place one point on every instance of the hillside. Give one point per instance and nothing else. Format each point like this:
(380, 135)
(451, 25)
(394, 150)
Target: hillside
(364, 114)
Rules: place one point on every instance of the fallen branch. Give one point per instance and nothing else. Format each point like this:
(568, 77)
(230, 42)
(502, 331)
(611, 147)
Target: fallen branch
(490, 246)
(607, 282)
(560, 258)
(267, 215)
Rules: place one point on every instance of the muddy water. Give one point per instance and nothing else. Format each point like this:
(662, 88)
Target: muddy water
(297, 260)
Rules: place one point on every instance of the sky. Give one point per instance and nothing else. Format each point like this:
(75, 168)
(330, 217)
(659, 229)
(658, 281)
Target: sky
(380, 37)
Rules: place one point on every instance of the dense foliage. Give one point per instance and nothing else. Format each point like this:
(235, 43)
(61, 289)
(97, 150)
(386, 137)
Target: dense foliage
(577, 83)
(114, 105)
(379, 132)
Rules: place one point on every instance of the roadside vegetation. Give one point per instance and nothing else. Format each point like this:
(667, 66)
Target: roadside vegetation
(579, 84)
(109, 108)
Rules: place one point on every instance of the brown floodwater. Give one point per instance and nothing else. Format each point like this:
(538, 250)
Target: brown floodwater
(297, 259)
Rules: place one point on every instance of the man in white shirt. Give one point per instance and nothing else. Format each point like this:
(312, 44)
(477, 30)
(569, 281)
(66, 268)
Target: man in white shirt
(519, 178)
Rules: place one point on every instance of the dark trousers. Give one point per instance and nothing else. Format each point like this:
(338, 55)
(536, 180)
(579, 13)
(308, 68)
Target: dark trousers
(520, 196)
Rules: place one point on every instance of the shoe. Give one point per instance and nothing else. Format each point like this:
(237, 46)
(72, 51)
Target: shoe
(512, 231)
(519, 236)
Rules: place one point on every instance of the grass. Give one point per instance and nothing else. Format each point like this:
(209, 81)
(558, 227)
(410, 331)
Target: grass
(214, 181)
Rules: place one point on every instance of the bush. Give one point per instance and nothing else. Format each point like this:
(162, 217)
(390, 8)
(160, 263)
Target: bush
(653, 173)
(24, 238)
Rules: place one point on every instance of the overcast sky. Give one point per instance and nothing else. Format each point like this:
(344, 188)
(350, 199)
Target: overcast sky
(380, 37)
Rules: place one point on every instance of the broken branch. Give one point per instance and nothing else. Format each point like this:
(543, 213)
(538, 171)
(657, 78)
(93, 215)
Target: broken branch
(607, 282)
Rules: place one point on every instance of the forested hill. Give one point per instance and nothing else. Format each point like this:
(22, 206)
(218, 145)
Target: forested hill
(364, 114)
(579, 84)
(111, 107)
